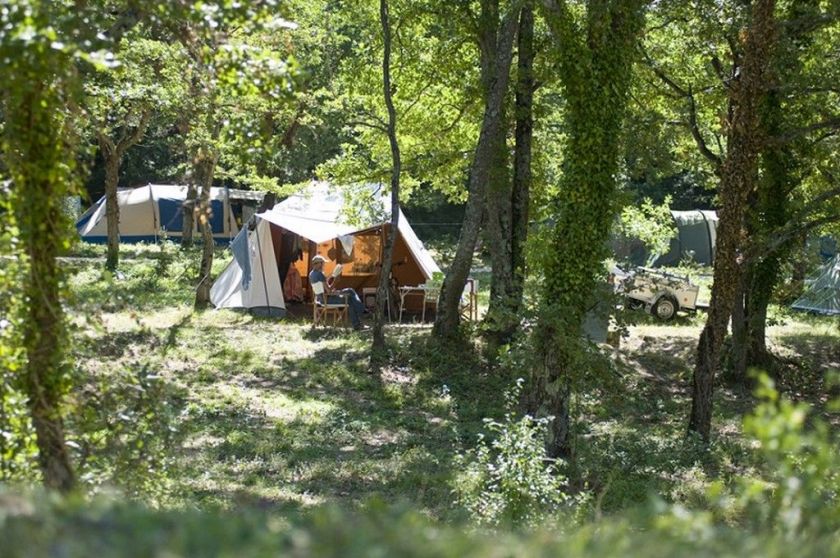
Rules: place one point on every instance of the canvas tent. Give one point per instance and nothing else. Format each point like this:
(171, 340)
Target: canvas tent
(823, 295)
(150, 212)
(696, 237)
(285, 238)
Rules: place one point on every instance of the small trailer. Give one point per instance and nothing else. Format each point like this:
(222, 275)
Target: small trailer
(659, 293)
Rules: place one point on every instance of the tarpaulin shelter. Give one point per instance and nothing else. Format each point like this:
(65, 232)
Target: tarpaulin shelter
(151, 212)
(319, 220)
(823, 294)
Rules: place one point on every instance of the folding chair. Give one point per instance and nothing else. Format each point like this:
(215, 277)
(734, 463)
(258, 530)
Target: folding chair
(322, 311)
(468, 307)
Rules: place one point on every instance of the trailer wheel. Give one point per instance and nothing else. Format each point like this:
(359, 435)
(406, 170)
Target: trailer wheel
(665, 308)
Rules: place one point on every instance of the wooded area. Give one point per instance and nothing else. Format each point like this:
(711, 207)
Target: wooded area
(537, 150)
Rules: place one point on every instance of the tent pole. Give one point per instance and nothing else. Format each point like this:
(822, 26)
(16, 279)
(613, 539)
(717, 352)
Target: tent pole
(154, 214)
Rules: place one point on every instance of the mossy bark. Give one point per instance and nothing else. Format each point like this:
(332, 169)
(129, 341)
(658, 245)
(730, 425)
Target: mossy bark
(739, 174)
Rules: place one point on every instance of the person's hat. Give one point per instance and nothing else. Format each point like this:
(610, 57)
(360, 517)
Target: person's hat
(319, 258)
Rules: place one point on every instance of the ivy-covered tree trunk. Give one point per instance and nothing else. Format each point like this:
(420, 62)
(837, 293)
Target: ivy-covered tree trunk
(41, 167)
(378, 346)
(497, 77)
(521, 194)
(770, 211)
(738, 178)
(204, 168)
(595, 55)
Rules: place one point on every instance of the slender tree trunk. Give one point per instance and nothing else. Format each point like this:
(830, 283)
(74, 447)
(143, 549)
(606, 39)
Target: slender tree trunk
(448, 317)
(190, 210)
(521, 195)
(112, 208)
(113, 152)
(204, 169)
(378, 346)
(738, 178)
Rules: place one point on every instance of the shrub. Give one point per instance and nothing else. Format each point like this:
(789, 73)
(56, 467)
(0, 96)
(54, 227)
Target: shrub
(508, 478)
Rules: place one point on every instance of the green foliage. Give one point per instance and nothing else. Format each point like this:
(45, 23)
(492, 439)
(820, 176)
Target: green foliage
(122, 428)
(799, 495)
(648, 223)
(507, 479)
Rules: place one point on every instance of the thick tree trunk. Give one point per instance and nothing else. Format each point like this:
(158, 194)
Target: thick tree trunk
(498, 195)
(521, 195)
(112, 209)
(204, 170)
(41, 182)
(738, 178)
(44, 337)
(378, 346)
(448, 317)
(595, 67)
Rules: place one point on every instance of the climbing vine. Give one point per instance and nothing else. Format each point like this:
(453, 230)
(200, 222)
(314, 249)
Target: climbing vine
(595, 52)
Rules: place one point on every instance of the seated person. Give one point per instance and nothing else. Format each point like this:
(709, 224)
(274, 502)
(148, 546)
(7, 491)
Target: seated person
(356, 308)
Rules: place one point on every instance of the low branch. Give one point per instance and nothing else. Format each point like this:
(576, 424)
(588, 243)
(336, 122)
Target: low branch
(365, 124)
(135, 135)
(832, 123)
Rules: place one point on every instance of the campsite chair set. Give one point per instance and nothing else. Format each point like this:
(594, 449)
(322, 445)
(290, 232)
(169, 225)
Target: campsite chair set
(430, 292)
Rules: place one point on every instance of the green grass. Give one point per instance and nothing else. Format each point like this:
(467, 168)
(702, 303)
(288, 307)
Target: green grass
(273, 414)
(263, 437)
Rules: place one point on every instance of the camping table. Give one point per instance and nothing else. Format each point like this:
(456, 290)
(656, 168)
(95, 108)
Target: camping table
(408, 290)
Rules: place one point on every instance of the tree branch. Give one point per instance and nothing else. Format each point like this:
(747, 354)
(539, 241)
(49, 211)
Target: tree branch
(832, 123)
(134, 136)
(692, 124)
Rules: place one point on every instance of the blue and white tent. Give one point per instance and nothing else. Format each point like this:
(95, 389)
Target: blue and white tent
(151, 212)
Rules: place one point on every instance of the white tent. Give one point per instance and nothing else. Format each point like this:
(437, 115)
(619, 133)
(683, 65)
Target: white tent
(150, 212)
(318, 221)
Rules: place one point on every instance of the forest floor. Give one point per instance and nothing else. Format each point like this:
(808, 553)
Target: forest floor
(273, 414)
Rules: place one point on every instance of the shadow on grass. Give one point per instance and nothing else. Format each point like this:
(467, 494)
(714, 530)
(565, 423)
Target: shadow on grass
(322, 427)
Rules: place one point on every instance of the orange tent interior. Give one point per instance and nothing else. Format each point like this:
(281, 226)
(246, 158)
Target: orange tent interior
(360, 268)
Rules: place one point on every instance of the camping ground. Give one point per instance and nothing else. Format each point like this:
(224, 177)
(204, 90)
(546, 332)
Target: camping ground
(271, 414)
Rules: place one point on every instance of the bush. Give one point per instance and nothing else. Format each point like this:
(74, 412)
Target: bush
(508, 479)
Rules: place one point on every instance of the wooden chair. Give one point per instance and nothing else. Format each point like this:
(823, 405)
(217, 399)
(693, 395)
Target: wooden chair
(322, 311)
(432, 288)
(468, 307)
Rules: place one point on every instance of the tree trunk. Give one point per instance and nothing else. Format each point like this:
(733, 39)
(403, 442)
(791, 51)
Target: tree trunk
(736, 371)
(112, 208)
(190, 210)
(595, 68)
(204, 169)
(378, 346)
(40, 173)
(521, 195)
(497, 192)
(113, 152)
(738, 179)
(448, 317)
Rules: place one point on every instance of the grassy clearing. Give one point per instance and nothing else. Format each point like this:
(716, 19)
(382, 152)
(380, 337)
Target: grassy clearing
(271, 414)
